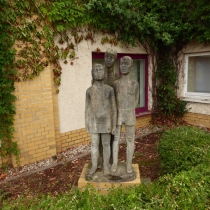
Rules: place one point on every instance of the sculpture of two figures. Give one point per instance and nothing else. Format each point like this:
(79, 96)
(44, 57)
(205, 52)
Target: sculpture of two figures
(110, 103)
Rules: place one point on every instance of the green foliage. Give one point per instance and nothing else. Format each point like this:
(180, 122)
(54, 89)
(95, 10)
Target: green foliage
(65, 14)
(35, 37)
(186, 190)
(168, 104)
(183, 148)
(35, 24)
(7, 74)
(152, 21)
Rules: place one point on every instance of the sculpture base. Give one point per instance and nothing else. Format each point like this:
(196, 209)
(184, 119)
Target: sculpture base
(120, 175)
(103, 183)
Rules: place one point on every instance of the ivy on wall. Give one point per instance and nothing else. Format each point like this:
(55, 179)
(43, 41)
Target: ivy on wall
(30, 27)
(7, 75)
(162, 27)
(168, 104)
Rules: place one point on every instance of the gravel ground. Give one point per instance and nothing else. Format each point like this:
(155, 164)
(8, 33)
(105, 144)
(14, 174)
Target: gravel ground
(63, 156)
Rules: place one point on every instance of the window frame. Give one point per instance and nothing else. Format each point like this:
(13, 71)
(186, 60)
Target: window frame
(133, 56)
(193, 94)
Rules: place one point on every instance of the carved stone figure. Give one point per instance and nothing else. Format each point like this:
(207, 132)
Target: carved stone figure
(127, 96)
(100, 117)
(110, 77)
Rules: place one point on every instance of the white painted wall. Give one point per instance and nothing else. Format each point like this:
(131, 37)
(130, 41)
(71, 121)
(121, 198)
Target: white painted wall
(76, 79)
(199, 105)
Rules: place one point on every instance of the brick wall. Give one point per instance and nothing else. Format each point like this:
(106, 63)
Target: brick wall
(74, 139)
(143, 120)
(6, 160)
(197, 119)
(81, 137)
(34, 119)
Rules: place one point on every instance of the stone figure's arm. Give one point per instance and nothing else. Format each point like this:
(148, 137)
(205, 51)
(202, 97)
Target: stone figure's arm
(114, 111)
(115, 87)
(87, 111)
(115, 92)
(117, 76)
(137, 94)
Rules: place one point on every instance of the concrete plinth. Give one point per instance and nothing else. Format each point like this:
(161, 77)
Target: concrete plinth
(104, 185)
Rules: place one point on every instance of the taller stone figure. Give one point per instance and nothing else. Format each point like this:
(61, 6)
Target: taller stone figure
(110, 77)
(127, 96)
(109, 60)
(100, 117)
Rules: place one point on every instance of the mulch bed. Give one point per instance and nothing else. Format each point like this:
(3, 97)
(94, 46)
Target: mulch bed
(59, 179)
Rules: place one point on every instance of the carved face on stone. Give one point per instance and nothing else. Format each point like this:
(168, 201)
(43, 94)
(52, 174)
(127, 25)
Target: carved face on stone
(126, 64)
(110, 57)
(98, 72)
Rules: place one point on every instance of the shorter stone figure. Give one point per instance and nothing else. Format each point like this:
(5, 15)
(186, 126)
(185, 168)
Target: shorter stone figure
(100, 117)
(127, 96)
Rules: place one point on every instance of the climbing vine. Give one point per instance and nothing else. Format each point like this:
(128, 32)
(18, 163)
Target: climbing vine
(7, 75)
(36, 24)
(168, 104)
(30, 27)
(162, 27)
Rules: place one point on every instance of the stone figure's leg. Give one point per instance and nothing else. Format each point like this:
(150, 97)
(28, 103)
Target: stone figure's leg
(111, 148)
(94, 152)
(130, 136)
(106, 151)
(116, 148)
(100, 157)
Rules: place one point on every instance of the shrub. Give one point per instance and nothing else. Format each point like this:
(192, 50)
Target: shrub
(186, 190)
(182, 148)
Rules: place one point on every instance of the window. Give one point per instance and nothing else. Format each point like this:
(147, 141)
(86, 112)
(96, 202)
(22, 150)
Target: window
(197, 75)
(139, 73)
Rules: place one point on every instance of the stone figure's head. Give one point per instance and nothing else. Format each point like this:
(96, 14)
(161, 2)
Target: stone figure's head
(126, 64)
(110, 57)
(98, 72)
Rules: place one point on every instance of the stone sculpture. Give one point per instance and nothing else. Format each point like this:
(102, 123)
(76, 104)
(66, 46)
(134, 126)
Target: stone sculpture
(110, 77)
(109, 60)
(100, 117)
(127, 96)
